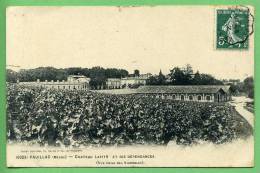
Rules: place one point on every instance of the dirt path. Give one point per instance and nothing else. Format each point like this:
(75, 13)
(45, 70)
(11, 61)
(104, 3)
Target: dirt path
(239, 103)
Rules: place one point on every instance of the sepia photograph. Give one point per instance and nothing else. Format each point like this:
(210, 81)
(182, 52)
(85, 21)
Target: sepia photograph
(148, 86)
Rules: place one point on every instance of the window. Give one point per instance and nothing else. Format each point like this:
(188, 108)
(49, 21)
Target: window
(208, 98)
(63, 87)
(199, 97)
(182, 97)
(169, 97)
(173, 97)
(190, 97)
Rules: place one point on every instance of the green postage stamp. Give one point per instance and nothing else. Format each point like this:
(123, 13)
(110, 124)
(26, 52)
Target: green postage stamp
(232, 28)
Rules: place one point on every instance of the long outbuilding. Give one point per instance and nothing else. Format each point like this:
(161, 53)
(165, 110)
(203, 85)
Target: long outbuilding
(200, 93)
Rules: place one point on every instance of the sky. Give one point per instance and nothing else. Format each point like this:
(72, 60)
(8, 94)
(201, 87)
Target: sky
(144, 38)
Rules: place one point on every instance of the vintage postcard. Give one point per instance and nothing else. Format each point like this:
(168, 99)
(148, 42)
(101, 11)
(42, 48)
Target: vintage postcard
(145, 86)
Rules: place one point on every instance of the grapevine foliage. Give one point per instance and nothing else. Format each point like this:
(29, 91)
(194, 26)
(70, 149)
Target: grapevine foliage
(76, 118)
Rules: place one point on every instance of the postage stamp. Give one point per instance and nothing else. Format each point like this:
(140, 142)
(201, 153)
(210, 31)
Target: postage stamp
(232, 28)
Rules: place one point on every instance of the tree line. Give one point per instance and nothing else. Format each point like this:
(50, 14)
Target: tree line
(245, 87)
(98, 75)
(183, 76)
(186, 76)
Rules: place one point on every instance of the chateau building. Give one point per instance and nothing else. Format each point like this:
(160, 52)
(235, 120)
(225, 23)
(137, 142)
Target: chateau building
(74, 82)
(113, 83)
(127, 82)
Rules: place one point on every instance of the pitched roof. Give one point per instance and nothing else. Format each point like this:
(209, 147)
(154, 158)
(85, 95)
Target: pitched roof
(77, 76)
(226, 88)
(113, 79)
(134, 78)
(193, 89)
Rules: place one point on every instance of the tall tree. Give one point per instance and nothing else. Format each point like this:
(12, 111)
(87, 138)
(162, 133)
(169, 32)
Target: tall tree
(152, 80)
(188, 70)
(249, 86)
(161, 79)
(207, 79)
(196, 79)
(11, 76)
(178, 77)
(136, 72)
